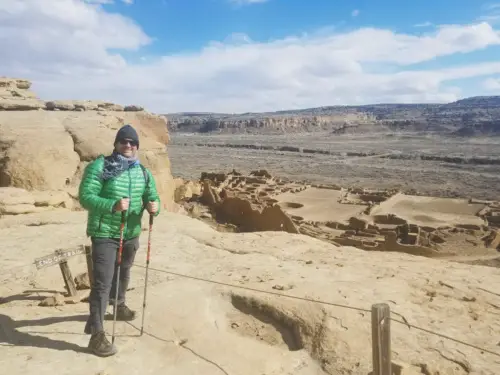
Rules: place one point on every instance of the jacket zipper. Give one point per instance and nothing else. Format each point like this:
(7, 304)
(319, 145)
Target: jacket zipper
(130, 199)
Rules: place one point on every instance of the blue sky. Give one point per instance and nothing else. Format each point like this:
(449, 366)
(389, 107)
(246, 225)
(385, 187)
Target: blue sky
(232, 56)
(180, 25)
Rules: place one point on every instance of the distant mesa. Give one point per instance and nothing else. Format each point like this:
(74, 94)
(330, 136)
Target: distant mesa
(475, 116)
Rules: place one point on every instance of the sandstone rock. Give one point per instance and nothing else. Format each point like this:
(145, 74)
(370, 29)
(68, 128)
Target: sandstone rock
(52, 301)
(19, 209)
(11, 196)
(492, 240)
(279, 335)
(14, 83)
(16, 96)
(35, 159)
(110, 107)
(82, 281)
(186, 189)
(21, 105)
(86, 105)
(52, 198)
(11, 93)
(16, 201)
(58, 155)
(61, 105)
(133, 108)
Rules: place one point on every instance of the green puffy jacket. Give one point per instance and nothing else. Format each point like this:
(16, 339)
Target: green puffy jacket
(99, 197)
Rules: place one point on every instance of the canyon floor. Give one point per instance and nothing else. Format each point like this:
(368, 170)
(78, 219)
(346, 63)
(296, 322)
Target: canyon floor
(402, 167)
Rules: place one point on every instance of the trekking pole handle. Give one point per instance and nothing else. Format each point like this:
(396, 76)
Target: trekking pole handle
(151, 216)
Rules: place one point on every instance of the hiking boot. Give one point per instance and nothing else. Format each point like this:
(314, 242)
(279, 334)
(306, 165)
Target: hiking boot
(123, 313)
(100, 346)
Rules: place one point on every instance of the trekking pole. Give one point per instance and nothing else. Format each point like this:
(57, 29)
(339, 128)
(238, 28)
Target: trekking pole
(120, 250)
(147, 269)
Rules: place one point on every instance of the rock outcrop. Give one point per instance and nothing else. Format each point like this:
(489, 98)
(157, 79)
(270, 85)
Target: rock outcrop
(201, 320)
(48, 149)
(468, 117)
(14, 201)
(15, 95)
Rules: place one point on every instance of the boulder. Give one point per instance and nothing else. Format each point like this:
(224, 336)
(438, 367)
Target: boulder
(14, 84)
(60, 105)
(133, 108)
(110, 107)
(21, 105)
(16, 96)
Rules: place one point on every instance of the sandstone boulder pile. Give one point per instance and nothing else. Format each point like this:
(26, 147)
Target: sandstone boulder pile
(15, 95)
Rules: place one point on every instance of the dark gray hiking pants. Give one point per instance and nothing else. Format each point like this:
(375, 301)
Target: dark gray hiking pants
(104, 259)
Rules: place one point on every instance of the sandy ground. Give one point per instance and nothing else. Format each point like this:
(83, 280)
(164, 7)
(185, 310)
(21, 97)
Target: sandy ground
(234, 331)
(318, 205)
(431, 211)
(432, 178)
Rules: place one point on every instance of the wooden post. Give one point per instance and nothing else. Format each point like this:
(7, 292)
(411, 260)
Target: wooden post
(381, 339)
(61, 257)
(90, 265)
(68, 278)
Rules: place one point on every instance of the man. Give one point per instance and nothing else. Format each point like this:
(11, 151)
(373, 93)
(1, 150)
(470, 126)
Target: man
(112, 185)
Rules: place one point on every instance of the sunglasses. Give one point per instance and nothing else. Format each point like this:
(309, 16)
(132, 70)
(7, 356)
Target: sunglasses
(124, 142)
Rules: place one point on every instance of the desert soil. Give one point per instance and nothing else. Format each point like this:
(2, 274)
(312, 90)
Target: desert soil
(195, 327)
(427, 177)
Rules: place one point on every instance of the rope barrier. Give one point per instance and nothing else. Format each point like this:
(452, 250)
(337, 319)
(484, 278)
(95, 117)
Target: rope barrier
(255, 290)
(403, 322)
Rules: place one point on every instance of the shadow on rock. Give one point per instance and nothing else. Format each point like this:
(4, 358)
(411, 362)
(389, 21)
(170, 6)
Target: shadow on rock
(10, 335)
(27, 295)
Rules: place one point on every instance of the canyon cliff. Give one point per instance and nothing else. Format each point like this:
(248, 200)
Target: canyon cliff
(475, 116)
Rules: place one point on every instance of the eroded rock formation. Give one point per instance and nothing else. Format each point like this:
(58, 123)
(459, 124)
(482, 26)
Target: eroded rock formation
(48, 149)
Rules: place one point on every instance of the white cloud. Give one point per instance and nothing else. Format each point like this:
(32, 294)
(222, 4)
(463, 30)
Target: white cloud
(492, 84)
(355, 13)
(71, 51)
